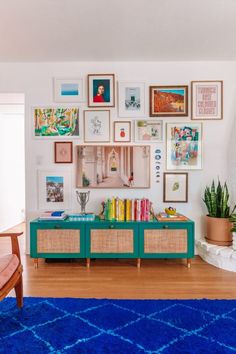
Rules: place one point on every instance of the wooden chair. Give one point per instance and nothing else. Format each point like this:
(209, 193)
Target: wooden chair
(11, 270)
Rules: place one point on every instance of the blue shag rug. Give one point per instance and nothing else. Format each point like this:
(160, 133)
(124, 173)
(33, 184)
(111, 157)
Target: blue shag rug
(50, 325)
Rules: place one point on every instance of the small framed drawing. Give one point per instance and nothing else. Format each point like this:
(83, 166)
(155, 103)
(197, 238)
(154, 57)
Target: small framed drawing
(207, 100)
(63, 152)
(54, 188)
(101, 90)
(96, 126)
(184, 146)
(148, 130)
(68, 90)
(56, 122)
(175, 188)
(131, 99)
(122, 132)
(168, 101)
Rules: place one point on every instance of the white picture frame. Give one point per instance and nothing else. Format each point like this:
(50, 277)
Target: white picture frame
(54, 189)
(96, 126)
(148, 130)
(68, 89)
(131, 96)
(122, 131)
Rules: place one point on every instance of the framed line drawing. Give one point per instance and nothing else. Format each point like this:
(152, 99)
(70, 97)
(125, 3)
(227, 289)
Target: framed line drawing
(168, 101)
(63, 152)
(96, 126)
(68, 90)
(122, 131)
(175, 188)
(101, 90)
(148, 130)
(131, 99)
(207, 100)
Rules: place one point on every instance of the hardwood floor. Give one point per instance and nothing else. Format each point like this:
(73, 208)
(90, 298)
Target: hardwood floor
(156, 279)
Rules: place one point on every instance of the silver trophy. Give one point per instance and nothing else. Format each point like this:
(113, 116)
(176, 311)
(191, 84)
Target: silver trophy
(83, 198)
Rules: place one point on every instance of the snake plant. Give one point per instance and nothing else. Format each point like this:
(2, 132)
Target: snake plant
(217, 200)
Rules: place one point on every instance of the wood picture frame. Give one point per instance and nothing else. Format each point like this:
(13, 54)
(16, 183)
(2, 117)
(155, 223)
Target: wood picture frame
(175, 187)
(96, 126)
(168, 101)
(101, 90)
(122, 131)
(63, 152)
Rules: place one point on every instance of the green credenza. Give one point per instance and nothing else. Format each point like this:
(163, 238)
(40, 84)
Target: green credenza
(106, 239)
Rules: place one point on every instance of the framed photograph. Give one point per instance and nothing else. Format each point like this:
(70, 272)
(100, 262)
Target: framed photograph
(63, 152)
(207, 100)
(68, 90)
(101, 90)
(113, 166)
(148, 130)
(131, 99)
(175, 188)
(168, 101)
(122, 132)
(184, 146)
(55, 122)
(96, 126)
(54, 189)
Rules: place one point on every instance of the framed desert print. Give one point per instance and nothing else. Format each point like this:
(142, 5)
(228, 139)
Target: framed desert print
(96, 126)
(131, 99)
(68, 90)
(63, 152)
(56, 122)
(54, 189)
(207, 100)
(175, 187)
(122, 132)
(168, 101)
(184, 146)
(148, 130)
(113, 166)
(101, 90)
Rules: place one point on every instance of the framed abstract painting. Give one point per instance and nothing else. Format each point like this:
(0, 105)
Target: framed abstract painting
(101, 90)
(68, 90)
(148, 130)
(168, 101)
(131, 99)
(184, 146)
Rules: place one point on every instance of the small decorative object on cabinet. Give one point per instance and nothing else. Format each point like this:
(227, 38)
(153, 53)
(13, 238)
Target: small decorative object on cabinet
(218, 219)
(101, 90)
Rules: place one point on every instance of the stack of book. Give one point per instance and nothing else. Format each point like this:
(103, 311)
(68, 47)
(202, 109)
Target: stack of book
(116, 209)
(167, 217)
(53, 215)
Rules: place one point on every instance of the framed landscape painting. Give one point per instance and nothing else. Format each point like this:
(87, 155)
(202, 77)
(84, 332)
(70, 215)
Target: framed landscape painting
(96, 126)
(207, 100)
(148, 130)
(54, 188)
(68, 90)
(184, 146)
(101, 90)
(55, 122)
(131, 99)
(175, 187)
(168, 101)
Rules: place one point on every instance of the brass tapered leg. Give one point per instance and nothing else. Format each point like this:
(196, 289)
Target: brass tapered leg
(138, 262)
(88, 263)
(36, 263)
(188, 263)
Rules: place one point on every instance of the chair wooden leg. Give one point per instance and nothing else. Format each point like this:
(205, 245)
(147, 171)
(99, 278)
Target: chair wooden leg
(19, 293)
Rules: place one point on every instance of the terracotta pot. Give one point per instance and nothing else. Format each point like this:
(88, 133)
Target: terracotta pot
(218, 231)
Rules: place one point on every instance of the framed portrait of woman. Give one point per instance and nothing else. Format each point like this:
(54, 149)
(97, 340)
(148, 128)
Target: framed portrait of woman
(101, 90)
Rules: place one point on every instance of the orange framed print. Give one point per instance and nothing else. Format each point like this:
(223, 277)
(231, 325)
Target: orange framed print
(168, 101)
(207, 100)
(63, 152)
(122, 131)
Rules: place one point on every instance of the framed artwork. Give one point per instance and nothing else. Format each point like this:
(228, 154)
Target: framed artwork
(207, 100)
(168, 101)
(54, 189)
(55, 122)
(184, 146)
(68, 90)
(131, 99)
(175, 187)
(148, 130)
(122, 132)
(113, 166)
(96, 126)
(101, 90)
(63, 152)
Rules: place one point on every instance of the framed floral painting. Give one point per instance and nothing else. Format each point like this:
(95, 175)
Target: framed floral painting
(101, 90)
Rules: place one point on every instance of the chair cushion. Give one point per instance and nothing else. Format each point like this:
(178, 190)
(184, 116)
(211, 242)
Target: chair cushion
(8, 265)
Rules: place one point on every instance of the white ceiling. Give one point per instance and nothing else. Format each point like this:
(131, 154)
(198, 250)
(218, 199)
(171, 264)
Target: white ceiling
(117, 30)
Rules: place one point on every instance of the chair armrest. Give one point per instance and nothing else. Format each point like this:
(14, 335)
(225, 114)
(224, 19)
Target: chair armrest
(14, 241)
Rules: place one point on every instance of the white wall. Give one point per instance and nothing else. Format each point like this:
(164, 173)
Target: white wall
(35, 80)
